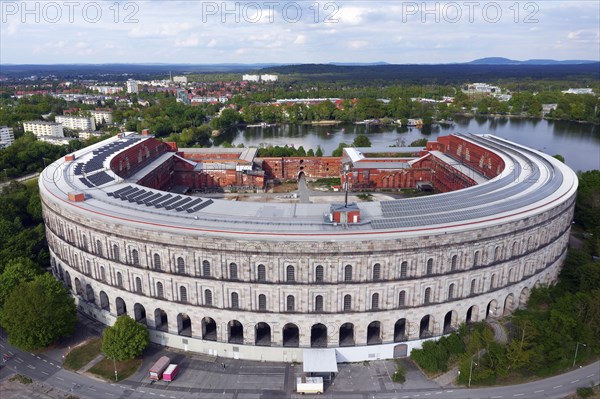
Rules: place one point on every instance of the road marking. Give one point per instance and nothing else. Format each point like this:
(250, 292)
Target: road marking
(108, 393)
(45, 361)
(495, 397)
(541, 390)
(152, 393)
(574, 381)
(588, 376)
(39, 357)
(32, 354)
(173, 397)
(58, 378)
(162, 396)
(140, 390)
(558, 386)
(45, 373)
(31, 367)
(519, 394)
(91, 389)
(52, 363)
(18, 360)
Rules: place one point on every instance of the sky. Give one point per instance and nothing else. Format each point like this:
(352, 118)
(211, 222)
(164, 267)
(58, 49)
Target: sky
(275, 31)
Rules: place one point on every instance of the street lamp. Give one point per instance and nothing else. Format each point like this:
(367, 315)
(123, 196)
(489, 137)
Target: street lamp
(471, 371)
(115, 364)
(576, 349)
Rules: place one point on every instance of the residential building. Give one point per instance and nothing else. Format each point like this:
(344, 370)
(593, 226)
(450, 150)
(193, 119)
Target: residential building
(87, 134)
(578, 91)
(77, 122)
(268, 78)
(180, 79)
(132, 86)
(57, 140)
(106, 89)
(102, 116)
(251, 78)
(7, 136)
(42, 128)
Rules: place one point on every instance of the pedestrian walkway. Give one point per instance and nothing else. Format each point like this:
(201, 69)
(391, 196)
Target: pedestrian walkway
(91, 364)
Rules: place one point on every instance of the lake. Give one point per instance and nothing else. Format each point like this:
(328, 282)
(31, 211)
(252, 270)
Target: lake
(579, 143)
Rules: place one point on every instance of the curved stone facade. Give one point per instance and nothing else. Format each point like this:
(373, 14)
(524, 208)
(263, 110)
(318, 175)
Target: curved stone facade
(267, 295)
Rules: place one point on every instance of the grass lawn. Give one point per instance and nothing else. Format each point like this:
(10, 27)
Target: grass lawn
(83, 354)
(106, 370)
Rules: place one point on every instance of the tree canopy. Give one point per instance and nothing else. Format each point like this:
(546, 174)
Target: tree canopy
(38, 312)
(126, 339)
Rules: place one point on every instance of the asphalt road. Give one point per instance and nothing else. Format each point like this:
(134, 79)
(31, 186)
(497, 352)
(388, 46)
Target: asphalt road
(43, 369)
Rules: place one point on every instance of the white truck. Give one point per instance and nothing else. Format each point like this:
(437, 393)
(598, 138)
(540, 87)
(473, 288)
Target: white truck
(309, 385)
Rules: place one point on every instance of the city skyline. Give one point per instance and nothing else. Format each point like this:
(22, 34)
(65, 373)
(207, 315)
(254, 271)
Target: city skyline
(205, 32)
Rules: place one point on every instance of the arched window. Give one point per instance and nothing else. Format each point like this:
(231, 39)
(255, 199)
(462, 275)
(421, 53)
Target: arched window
(88, 267)
(157, 264)
(235, 300)
(290, 303)
(116, 255)
(99, 248)
(84, 242)
(451, 291)
(376, 272)
(135, 257)
(233, 272)
(183, 294)
(493, 282)
(476, 259)
(261, 273)
(319, 272)
(160, 292)
(496, 254)
(375, 301)
(473, 283)
(427, 299)
(262, 302)
(347, 303)
(102, 273)
(119, 280)
(429, 270)
(290, 274)
(180, 265)
(206, 268)
(138, 285)
(515, 249)
(319, 303)
(454, 262)
(208, 297)
(348, 273)
(402, 299)
(404, 269)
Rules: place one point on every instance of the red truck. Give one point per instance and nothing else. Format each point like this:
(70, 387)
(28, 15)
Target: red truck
(157, 369)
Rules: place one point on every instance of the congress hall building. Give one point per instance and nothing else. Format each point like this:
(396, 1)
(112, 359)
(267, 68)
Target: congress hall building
(131, 232)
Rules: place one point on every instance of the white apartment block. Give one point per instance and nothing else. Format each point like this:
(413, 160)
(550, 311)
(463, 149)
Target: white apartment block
(106, 89)
(89, 134)
(578, 91)
(6, 136)
(43, 129)
(76, 122)
(180, 79)
(57, 140)
(251, 78)
(132, 86)
(268, 78)
(101, 116)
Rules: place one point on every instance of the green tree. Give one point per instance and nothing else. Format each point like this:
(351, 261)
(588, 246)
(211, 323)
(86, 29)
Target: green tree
(126, 339)
(38, 312)
(16, 272)
(339, 151)
(319, 152)
(361, 141)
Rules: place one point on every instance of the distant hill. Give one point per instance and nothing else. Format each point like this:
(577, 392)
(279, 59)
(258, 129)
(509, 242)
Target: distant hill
(507, 61)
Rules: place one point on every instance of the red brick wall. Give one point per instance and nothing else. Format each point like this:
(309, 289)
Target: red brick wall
(478, 158)
(313, 167)
(133, 159)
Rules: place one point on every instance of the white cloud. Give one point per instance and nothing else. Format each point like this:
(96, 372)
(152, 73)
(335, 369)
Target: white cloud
(356, 44)
(211, 43)
(300, 39)
(189, 41)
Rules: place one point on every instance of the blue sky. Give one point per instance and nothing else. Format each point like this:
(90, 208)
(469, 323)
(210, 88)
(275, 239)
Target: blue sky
(207, 32)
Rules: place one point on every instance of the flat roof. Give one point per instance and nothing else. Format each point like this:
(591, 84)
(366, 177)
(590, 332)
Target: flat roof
(530, 183)
(319, 361)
